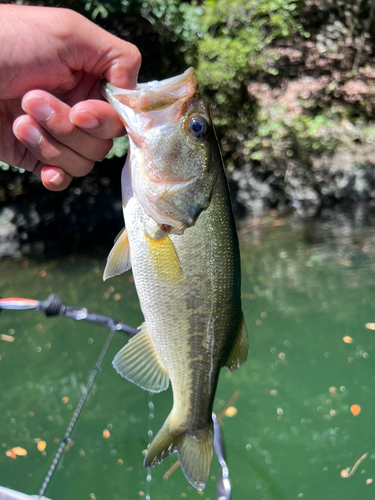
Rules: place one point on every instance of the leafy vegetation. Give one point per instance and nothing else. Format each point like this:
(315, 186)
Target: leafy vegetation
(290, 82)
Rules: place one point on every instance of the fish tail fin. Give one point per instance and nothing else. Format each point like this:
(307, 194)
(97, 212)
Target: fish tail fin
(194, 449)
(195, 455)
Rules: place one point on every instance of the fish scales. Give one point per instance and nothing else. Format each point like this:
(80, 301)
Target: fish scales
(200, 311)
(182, 243)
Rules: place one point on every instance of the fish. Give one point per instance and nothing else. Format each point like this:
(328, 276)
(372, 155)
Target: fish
(181, 242)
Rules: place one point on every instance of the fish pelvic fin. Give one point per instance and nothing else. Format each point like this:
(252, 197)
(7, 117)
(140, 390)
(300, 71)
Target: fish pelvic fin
(164, 258)
(118, 260)
(194, 450)
(139, 363)
(240, 348)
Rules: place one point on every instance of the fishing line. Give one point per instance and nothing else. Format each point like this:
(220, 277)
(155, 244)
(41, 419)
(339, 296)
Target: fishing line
(54, 306)
(150, 435)
(77, 412)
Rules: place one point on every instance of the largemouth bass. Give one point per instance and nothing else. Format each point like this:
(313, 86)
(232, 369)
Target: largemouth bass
(181, 242)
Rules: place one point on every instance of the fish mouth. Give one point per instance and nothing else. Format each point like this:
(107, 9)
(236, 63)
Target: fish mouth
(137, 107)
(154, 115)
(160, 93)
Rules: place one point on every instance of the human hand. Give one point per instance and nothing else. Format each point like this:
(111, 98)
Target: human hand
(67, 125)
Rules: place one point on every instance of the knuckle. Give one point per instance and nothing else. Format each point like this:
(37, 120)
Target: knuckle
(53, 157)
(69, 136)
(101, 150)
(134, 56)
(26, 161)
(83, 169)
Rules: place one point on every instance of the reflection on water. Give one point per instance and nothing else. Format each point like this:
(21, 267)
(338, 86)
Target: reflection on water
(309, 301)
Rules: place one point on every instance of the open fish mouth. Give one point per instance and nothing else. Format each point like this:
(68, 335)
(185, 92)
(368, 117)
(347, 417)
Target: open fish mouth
(152, 96)
(170, 159)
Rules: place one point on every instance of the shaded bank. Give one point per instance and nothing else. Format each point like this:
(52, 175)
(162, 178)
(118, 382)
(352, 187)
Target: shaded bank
(89, 213)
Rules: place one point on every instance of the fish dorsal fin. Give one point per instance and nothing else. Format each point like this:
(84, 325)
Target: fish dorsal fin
(164, 258)
(119, 257)
(139, 363)
(240, 348)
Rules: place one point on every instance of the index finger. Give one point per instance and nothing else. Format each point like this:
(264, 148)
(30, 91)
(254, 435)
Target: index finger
(97, 118)
(94, 50)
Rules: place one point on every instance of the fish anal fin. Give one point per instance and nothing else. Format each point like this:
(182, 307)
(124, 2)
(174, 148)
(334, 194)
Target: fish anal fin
(164, 258)
(138, 362)
(118, 260)
(194, 449)
(240, 348)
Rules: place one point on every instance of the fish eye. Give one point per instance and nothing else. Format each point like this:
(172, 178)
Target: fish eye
(197, 127)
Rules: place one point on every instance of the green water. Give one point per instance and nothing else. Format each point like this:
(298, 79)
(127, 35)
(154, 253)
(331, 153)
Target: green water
(305, 287)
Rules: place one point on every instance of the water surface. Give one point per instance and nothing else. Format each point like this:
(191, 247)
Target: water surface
(308, 292)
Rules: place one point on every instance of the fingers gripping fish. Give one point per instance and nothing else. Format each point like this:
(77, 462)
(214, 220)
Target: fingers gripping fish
(181, 242)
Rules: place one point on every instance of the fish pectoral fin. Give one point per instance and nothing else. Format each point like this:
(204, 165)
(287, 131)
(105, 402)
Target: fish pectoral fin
(240, 348)
(119, 257)
(164, 259)
(138, 362)
(194, 449)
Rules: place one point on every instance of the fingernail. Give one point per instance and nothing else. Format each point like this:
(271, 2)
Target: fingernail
(84, 119)
(38, 108)
(56, 179)
(30, 134)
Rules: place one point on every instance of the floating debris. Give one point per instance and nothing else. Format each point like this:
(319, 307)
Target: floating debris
(355, 410)
(41, 445)
(231, 411)
(369, 480)
(20, 452)
(170, 471)
(370, 326)
(344, 262)
(347, 339)
(106, 433)
(17, 451)
(6, 338)
(64, 400)
(345, 473)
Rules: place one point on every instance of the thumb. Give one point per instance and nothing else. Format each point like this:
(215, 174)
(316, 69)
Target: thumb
(94, 50)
